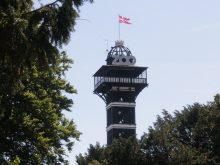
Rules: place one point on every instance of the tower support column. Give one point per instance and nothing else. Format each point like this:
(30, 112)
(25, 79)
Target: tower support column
(120, 120)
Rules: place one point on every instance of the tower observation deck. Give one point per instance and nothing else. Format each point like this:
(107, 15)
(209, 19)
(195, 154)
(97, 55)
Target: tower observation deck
(118, 83)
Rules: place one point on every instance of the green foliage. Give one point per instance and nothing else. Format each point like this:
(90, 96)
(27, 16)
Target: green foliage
(32, 124)
(33, 127)
(29, 35)
(125, 151)
(121, 151)
(95, 155)
(190, 136)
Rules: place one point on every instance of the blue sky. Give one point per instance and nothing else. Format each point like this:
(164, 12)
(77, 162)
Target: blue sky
(179, 42)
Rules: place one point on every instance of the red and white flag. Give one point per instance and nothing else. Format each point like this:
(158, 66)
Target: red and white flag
(124, 20)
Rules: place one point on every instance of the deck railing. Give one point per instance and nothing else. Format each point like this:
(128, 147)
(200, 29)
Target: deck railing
(99, 80)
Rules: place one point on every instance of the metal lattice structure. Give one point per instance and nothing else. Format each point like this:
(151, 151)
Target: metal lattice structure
(119, 51)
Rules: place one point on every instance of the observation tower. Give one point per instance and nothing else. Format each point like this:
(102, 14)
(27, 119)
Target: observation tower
(118, 83)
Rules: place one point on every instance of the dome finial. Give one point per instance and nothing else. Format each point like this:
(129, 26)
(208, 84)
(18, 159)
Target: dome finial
(119, 43)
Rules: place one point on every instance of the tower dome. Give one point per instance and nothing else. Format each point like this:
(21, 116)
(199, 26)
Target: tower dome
(120, 55)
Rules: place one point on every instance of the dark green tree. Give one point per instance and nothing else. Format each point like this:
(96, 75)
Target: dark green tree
(33, 88)
(33, 127)
(121, 151)
(190, 136)
(29, 35)
(95, 156)
(161, 146)
(125, 151)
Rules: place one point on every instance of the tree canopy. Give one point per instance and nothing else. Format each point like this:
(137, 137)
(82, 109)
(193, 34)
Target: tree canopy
(190, 136)
(32, 125)
(32, 36)
(121, 151)
(33, 87)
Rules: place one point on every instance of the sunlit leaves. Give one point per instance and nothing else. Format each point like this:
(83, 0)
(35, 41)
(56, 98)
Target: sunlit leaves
(190, 136)
(33, 127)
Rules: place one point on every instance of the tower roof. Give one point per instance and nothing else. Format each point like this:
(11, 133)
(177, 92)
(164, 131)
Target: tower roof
(127, 71)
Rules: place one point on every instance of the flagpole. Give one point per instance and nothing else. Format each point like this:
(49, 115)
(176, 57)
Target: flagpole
(124, 20)
(119, 28)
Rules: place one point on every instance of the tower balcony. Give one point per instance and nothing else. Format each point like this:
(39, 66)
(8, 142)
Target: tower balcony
(119, 81)
(113, 83)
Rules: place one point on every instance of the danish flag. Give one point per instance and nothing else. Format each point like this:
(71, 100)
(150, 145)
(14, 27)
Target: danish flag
(124, 20)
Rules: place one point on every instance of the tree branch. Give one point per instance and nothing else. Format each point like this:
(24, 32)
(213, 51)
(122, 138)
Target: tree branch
(47, 5)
